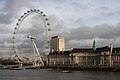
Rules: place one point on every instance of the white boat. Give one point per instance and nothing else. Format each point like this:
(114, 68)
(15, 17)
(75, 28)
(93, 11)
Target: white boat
(66, 71)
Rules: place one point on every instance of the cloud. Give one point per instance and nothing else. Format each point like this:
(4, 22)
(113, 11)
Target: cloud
(78, 21)
(82, 35)
(104, 33)
(102, 8)
(107, 31)
(79, 6)
(8, 12)
(57, 26)
(58, 1)
(5, 18)
(18, 5)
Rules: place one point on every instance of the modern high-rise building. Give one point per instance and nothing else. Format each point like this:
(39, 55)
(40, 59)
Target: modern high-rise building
(57, 43)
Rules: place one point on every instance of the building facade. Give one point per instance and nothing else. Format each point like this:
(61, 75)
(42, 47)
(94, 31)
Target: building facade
(91, 58)
(58, 58)
(115, 59)
(103, 57)
(57, 43)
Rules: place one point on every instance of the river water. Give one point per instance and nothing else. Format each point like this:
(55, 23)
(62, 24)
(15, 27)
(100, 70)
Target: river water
(57, 75)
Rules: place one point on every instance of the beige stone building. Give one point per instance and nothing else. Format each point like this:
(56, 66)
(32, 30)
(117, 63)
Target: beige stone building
(82, 57)
(57, 43)
(58, 58)
(90, 58)
(115, 57)
(86, 58)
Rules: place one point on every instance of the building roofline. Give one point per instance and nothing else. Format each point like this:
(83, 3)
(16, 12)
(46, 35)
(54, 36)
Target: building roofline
(56, 36)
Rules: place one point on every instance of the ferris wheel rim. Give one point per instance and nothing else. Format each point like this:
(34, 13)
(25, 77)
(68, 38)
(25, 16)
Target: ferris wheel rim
(22, 18)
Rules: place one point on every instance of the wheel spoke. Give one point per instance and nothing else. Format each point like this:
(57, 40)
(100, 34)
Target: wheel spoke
(16, 29)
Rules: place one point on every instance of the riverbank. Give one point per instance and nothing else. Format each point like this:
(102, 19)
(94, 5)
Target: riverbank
(108, 69)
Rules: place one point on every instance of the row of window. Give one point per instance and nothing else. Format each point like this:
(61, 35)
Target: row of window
(116, 52)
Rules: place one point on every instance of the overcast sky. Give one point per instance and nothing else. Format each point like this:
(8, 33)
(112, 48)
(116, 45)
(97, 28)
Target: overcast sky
(79, 21)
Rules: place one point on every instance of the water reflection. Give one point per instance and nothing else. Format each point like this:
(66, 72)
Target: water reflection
(56, 75)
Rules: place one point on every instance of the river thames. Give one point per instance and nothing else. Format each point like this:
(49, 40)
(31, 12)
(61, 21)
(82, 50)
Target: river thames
(57, 75)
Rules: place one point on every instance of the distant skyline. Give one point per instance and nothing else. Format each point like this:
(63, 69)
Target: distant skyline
(79, 21)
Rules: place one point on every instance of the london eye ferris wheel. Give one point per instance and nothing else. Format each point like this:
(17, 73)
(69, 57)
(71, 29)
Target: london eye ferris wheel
(31, 34)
